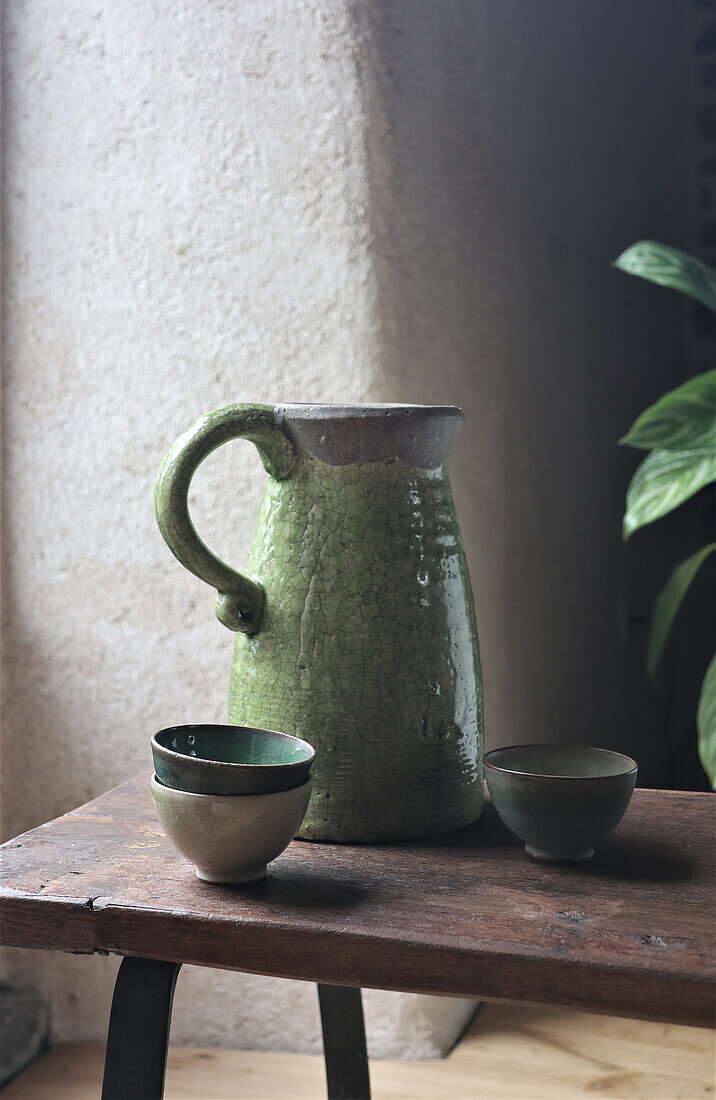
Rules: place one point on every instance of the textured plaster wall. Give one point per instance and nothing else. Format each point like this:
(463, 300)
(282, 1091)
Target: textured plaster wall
(306, 200)
(186, 225)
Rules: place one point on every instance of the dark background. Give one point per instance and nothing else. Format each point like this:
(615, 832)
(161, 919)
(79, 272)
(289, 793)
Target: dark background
(577, 128)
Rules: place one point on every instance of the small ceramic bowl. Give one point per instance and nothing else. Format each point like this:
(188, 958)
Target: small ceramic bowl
(230, 838)
(560, 799)
(229, 760)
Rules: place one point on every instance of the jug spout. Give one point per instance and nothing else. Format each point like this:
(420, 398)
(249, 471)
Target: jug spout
(340, 435)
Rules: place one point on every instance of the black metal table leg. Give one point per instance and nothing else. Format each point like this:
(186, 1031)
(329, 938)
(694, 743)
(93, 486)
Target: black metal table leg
(344, 1042)
(138, 1035)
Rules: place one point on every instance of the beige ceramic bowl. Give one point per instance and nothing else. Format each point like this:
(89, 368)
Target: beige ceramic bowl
(230, 838)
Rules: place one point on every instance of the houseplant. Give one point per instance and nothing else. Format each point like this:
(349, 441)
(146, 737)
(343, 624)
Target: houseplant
(679, 434)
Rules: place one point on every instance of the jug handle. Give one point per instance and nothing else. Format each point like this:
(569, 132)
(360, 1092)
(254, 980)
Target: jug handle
(240, 601)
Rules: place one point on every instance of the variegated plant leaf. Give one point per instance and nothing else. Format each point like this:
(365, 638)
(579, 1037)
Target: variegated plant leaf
(706, 723)
(668, 603)
(663, 481)
(670, 267)
(683, 419)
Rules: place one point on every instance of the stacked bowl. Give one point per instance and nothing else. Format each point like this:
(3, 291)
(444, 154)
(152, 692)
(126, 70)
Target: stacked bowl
(230, 798)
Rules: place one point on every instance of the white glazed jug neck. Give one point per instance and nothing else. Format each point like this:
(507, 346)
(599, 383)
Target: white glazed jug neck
(340, 435)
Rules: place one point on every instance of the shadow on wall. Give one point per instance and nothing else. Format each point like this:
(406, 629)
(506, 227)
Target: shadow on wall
(492, 241)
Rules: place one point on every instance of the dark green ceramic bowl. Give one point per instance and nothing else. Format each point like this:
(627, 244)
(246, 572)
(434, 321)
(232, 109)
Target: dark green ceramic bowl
(560, 799)
(212, 759)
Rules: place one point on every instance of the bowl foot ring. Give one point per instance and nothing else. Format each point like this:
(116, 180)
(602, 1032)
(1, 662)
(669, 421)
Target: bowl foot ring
(582, 856)
(250, 874)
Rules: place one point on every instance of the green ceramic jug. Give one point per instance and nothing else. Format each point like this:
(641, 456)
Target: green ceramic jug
(355, 627)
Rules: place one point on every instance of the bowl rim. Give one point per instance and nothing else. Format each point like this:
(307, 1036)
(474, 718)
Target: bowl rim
(633, 766)
(182, 756)
(155, 781)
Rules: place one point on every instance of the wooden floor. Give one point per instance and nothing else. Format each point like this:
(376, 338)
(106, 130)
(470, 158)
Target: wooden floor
(510, 1053)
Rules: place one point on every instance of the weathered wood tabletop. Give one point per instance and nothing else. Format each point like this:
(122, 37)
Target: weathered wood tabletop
(465, 915)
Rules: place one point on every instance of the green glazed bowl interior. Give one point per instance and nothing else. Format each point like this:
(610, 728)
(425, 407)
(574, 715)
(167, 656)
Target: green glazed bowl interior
(560, 761)
(560, 800)
(218, 759)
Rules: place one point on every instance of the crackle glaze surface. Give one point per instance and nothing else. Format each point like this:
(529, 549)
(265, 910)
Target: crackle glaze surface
(368, 648)
(367, 644)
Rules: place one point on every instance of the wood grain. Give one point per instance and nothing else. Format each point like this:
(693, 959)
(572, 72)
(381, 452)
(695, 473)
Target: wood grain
(520, 1053)
(464, 915)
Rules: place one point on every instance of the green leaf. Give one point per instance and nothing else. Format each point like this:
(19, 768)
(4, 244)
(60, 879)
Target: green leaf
(668, 602)
(683, 419)
(669, 267)
(663, 481)
(706, 723)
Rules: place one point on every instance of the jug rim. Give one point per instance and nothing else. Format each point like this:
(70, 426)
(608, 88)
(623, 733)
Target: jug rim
(319, 411)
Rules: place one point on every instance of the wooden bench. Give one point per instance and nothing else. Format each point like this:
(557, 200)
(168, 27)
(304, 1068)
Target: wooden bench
(465, 915)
